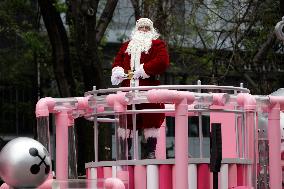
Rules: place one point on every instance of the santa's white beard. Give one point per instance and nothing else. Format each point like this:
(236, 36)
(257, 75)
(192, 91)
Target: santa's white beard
(140, 42)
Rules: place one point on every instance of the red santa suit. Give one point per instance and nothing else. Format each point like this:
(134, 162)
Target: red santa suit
(155, 61)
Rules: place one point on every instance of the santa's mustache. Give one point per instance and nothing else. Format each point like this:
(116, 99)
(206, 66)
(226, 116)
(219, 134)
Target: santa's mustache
(140, 35)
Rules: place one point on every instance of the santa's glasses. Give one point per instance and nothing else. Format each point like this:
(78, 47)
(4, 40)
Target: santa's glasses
(144, 28)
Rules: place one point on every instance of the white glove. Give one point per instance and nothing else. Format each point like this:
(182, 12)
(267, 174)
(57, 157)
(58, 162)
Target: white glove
(118, 75)
(140, 73)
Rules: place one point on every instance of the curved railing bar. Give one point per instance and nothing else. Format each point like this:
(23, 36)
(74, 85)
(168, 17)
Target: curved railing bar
(181, 87)
(167, 111)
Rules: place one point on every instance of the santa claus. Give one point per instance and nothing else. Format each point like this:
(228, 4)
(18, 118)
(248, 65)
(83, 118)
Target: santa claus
(145, 57)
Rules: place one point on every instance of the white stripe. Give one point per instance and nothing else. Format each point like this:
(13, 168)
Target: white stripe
(151, 132)
(224, 171)
(192, 176)
(152, 177)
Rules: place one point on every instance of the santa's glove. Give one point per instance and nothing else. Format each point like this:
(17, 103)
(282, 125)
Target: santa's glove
(140, 73)
(118, 75)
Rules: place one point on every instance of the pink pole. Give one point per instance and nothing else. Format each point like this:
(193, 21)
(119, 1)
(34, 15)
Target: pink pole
(250, 135)
(61, 121)
(140, 177)
(165, 177)
(181, 144)
(274, 147)
(161, 143)
(251, 176)
(249, 104)
(239, 135)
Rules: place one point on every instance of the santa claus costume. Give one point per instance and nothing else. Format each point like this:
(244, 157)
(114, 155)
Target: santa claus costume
(147, 57)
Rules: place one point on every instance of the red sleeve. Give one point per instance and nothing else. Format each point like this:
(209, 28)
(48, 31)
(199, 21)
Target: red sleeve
(118, 61)
(160, 62)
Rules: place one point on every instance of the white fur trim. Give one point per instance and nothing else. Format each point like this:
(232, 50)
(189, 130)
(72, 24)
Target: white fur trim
(124, 133)
(144, 22)
(151, 132)
(143, 73)
(117, 69)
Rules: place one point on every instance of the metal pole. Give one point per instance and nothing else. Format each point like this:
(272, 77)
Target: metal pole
(215, 180)
(96, 133)
(237, 133)
(134, 83)
(200, 127)
(243, 137)
(96, 138)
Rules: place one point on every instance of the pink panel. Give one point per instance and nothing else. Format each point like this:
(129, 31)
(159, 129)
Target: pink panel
(240, 139)
(240, 175)
(100, 175)
(227, 121)
(174, 176)
(107, 172)
(140, 177)
(131, 177)
(100, 172)
(203, 176)
(88, 170)
(232, 175)
(165, 177)
(124, 176)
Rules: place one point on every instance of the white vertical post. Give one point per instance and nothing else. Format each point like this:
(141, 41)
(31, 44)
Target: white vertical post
(152, 177)
(224, 181)
(192, 176)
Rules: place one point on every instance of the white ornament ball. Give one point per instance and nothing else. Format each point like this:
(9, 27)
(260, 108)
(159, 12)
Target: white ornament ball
(24, 162)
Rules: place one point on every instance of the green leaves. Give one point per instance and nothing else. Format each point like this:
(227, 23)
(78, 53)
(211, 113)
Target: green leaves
(60, 6)
(33, 40)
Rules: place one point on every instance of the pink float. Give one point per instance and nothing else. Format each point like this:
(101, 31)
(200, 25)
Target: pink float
(249, 124)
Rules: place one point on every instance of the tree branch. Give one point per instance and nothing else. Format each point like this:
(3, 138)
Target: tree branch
(105, 19)
(60, 48)
(137, 12)
(264, 49)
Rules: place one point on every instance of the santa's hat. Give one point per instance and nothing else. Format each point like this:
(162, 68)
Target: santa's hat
(144, 22)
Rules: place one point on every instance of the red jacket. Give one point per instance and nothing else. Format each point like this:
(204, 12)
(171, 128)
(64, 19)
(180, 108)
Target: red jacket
(156, 61)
